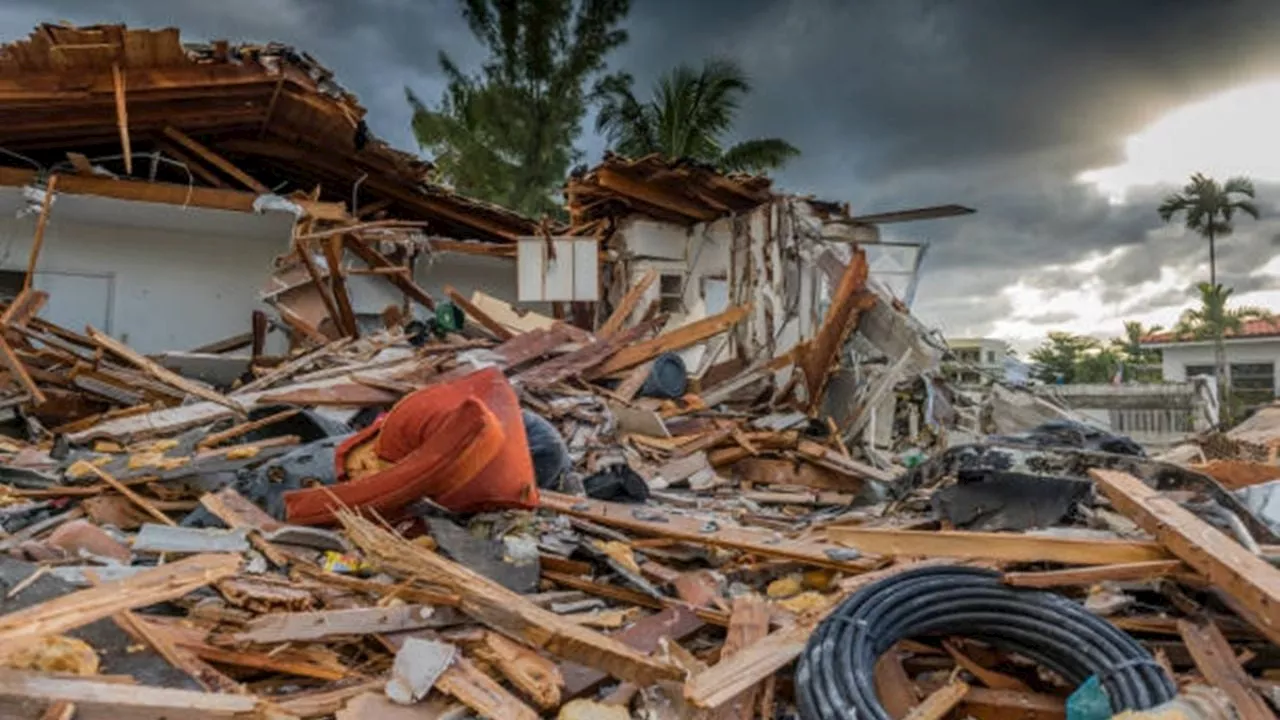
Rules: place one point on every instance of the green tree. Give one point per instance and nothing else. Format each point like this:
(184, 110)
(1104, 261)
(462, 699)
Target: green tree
(1208, 208)
(506, 133)
(1141, 363)
(689, 115)
(1060, 357)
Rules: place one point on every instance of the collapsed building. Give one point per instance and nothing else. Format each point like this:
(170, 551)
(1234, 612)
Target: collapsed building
(682, 456)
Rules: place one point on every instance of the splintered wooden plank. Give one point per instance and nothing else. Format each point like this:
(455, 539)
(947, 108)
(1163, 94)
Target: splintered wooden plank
(377, 260)
(829, 459)
(15, 366)
(77, 609)
(41, 223)
(162, 374)
(1125, 572)
(97, 699)
(24, 307)
(216, 160)
(122, 116)
(760, 542)
(1217, 663)
(748, 624)
(847, 303)
(1228, 566)
(480, 316)
(677, 339)
(1011, 705)
(940, 702)
(506, 611)
(305, 626)
(627, 305)
(346, 319)
(1012, 547)
(584, 358)
(236, 511)
(645, 635)
(469, 684)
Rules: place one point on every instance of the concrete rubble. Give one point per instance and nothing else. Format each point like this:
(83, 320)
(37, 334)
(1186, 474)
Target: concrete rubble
(649, 505)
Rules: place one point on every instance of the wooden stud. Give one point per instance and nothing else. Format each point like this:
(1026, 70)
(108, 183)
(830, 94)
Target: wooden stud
(748, 624)
(95, 698)
(1217, 663)
(133, 497)
(346, 319)
(38, 242)
(375, 259)
(1127, 572)
(122, 116)
(164, 375)
(1010, 547)
(627, 305)
(1010, 705)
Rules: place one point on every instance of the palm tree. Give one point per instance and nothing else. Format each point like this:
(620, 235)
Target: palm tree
(1213, 319)
(1138, 359)
(1209, 209)
(690, 113)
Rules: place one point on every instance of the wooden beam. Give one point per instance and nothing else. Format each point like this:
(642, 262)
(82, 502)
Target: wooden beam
(307, 626)
(506, 611)
(480, 316)
(162, 374)
(138, 190)
(244, 428)
(19, 370)
(77, 609)
(196, 167)
(677, 339)
(645, 635)
(216, 160)
(41, 223)
(1012, 547)
(375, 259)
(627, 304)
(631, 597)
(848, 302)
(1216, 661)
(122, 116)
(1247, 578)
(80, 163)
(754, 540)
(24, 307)
(132, 496)
(1125, 572)
(346, 318)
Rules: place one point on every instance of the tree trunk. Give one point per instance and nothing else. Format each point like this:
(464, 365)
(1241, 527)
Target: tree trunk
(1221, 367)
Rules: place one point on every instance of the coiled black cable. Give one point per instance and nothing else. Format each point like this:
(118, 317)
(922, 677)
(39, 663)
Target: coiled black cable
(834, 678)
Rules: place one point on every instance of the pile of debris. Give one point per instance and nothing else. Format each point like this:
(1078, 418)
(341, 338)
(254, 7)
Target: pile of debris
(648, 550)
(714, 474)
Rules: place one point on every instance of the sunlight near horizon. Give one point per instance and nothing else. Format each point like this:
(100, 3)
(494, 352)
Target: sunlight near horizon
(1223, 135)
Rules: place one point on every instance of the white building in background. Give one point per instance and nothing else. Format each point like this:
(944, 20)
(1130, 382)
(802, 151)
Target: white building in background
(1253, 354)
(978, 361)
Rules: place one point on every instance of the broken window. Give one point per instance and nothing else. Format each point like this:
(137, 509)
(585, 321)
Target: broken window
(11, 284)
(671, 292)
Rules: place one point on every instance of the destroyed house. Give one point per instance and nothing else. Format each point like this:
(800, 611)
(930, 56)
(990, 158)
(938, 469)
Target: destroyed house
(702, 247)
(181, 173)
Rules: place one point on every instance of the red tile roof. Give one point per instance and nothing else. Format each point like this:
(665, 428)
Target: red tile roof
(1251, 329)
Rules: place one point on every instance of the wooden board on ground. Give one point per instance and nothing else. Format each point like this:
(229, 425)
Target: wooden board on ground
(1011, 547)
(1250, 580)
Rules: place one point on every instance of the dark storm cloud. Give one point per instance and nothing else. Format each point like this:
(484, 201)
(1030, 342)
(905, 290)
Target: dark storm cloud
(998, 104)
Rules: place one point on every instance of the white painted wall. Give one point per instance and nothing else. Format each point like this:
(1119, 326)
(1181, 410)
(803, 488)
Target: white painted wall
(159, 277)
(1177, 356)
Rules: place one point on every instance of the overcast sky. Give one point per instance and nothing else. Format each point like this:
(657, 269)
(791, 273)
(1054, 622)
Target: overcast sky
(996, 104)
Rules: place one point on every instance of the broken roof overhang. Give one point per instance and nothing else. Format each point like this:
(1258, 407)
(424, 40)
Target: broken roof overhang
(270, 111)
(679, 191)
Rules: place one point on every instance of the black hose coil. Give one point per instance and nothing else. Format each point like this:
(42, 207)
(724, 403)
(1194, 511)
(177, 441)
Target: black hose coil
(834, 678)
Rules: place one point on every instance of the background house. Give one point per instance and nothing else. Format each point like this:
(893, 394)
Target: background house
(1253, 354)
(976, 361)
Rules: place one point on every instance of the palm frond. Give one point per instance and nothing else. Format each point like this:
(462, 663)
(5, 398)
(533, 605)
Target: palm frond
(757, 156)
